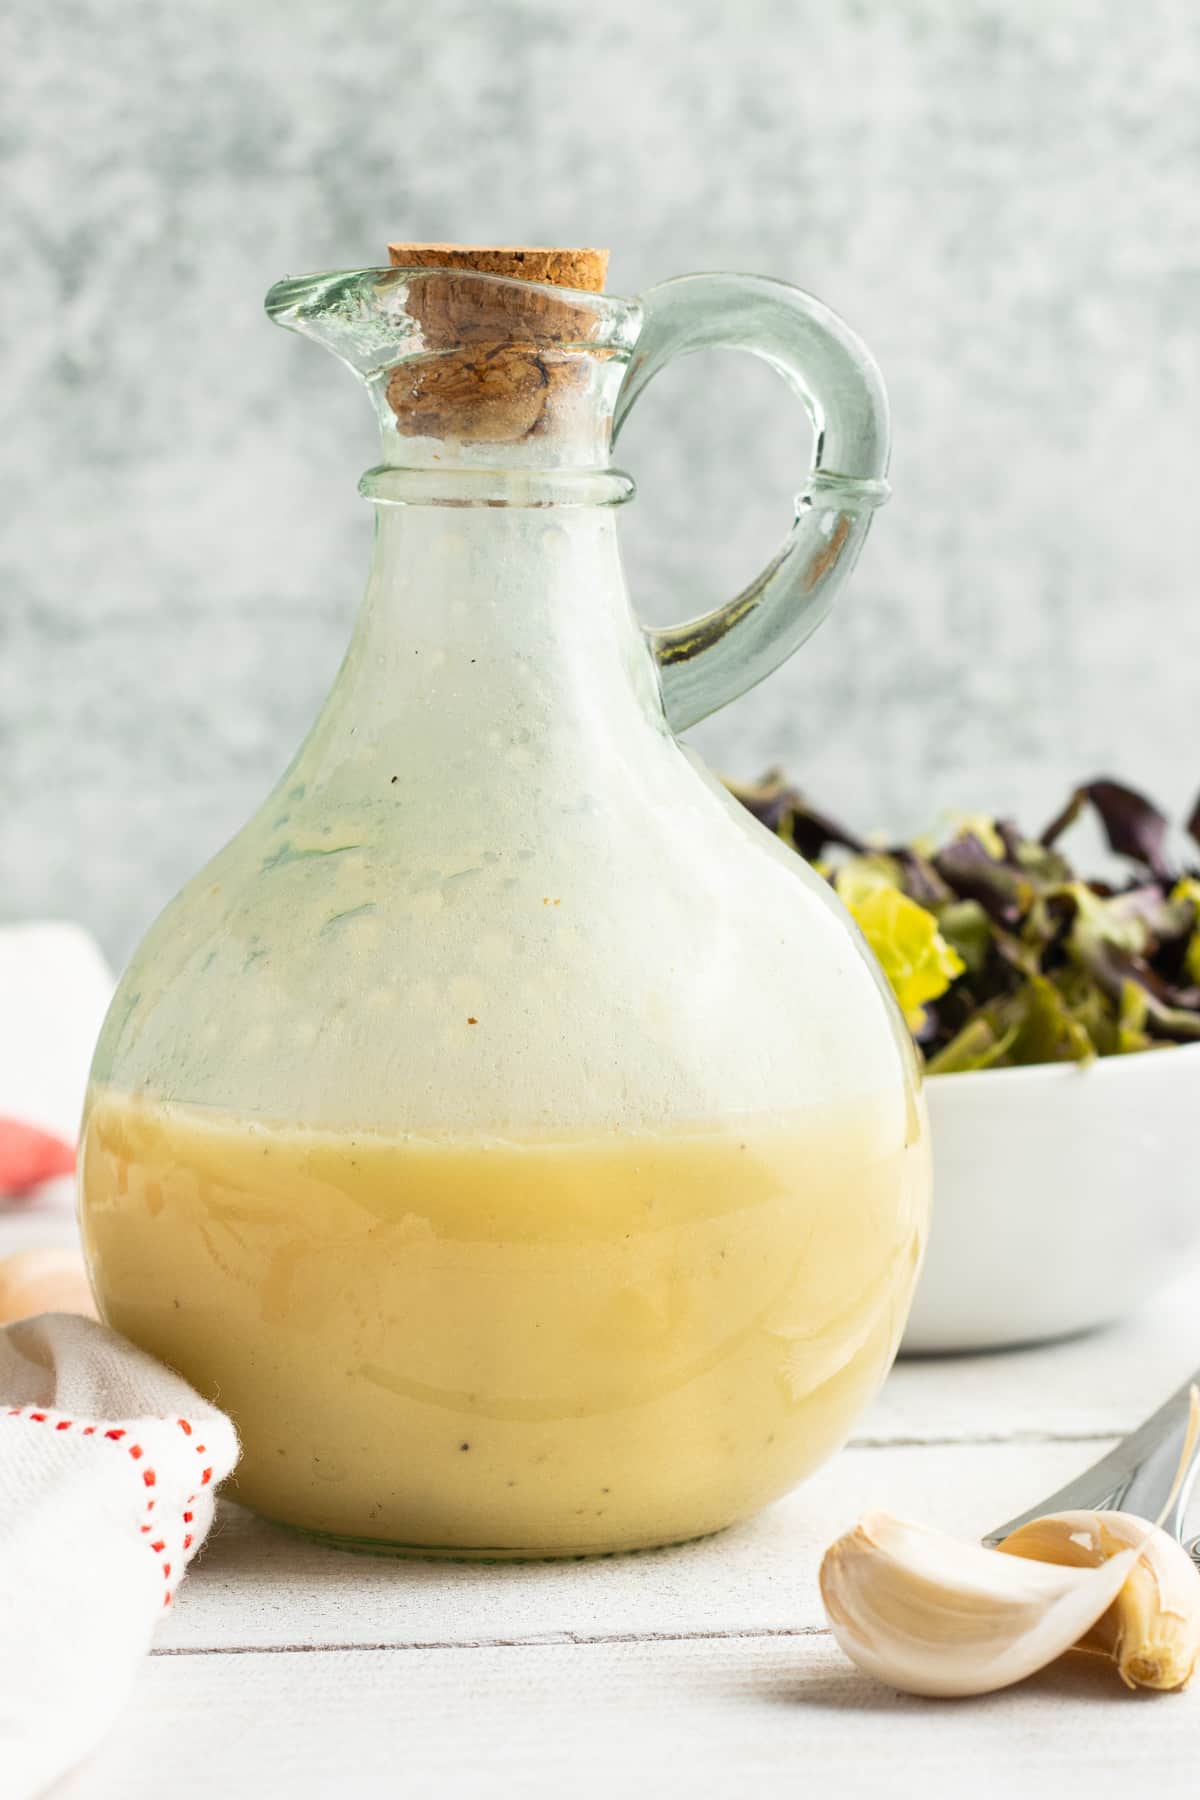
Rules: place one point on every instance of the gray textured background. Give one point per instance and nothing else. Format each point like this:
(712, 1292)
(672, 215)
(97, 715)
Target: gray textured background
(1004, 198)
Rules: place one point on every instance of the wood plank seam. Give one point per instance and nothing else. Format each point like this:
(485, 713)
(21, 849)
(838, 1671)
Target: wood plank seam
(931, 1441)
(552, 1640)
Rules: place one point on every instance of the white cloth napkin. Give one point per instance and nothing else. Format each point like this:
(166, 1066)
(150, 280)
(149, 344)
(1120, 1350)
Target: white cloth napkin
(108, 1468)
(54, 991)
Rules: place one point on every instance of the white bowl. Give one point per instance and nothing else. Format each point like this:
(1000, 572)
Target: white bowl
(1064, 1195)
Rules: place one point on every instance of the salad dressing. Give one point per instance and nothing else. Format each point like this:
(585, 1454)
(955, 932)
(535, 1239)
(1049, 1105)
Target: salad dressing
(539, 1347)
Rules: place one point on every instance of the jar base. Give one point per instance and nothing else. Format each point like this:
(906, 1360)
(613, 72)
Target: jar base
(367, 1546)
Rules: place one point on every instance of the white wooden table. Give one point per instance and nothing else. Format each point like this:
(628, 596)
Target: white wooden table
(289, 1670)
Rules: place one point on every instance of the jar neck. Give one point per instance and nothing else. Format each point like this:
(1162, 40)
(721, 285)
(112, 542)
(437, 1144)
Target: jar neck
(495, 642)
(523, 489)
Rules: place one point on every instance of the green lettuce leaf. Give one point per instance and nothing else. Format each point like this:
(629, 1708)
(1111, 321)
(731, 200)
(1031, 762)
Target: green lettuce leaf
(998, 951)
(918, 962)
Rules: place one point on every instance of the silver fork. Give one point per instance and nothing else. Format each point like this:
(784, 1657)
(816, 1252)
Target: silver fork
(1135, 1477)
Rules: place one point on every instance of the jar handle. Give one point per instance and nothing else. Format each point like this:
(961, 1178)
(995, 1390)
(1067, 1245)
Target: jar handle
(710, 660)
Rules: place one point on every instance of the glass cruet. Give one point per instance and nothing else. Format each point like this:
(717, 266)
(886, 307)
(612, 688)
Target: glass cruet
(512, 1135)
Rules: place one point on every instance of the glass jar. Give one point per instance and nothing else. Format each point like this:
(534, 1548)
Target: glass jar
(512, 1135)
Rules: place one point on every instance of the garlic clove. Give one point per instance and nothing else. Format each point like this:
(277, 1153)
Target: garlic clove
(41, 1281)
(1152, 1628)
(930, 1615)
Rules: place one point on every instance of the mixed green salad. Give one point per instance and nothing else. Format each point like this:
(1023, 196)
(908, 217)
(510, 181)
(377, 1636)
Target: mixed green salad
(998, 952)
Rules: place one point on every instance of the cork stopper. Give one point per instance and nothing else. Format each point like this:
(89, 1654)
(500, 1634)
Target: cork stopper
(494, 372)
(583, 269)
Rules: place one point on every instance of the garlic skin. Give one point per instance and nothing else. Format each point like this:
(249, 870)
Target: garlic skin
(40, 1281)
(1152, 1628)
(928, 1614)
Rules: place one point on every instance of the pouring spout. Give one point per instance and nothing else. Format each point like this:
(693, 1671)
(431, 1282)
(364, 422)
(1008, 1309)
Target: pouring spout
(358, 314)
(468, 366)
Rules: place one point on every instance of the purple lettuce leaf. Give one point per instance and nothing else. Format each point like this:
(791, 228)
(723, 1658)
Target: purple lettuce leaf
(1132, 824)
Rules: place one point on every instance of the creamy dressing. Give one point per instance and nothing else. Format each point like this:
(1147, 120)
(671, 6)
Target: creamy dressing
(542, 1347)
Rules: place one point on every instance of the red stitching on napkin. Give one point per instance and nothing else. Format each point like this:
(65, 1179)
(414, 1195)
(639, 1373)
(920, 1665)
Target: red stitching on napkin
(114, 1434)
